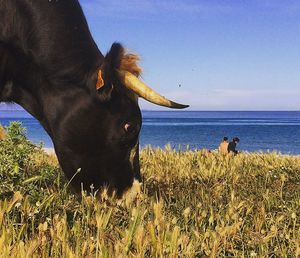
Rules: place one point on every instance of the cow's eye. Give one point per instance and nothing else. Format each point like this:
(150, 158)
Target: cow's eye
(130, 134)
(129, 127)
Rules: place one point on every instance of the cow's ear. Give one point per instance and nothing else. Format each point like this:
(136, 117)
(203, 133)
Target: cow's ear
(100, 81)
(103, 87)
(107, 75)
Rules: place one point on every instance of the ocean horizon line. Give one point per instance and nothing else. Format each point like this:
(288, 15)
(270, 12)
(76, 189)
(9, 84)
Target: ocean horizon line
(177, 110)
(150, 110)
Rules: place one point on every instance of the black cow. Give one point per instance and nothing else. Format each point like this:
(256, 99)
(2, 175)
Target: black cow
(87, 103)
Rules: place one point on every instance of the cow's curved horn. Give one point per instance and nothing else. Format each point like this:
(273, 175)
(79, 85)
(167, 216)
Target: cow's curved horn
(142, 90)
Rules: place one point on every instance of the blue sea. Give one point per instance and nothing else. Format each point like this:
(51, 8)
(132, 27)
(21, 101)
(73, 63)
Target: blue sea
(258, 130)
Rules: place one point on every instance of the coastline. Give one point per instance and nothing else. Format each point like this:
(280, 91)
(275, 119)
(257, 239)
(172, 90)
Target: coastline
(259, 131)
(49, 151)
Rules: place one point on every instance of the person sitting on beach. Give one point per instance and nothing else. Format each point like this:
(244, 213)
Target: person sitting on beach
(232, 145)
(2, 133)
(223, 147)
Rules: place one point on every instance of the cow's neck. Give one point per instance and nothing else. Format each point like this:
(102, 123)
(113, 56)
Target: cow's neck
(31, 103)
(49, 104)
(25, 83)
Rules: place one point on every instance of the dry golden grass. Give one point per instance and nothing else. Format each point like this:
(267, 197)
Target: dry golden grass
(191, 205)
(2, 133)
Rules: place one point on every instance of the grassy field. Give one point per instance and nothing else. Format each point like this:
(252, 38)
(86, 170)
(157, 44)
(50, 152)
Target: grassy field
(192, 204)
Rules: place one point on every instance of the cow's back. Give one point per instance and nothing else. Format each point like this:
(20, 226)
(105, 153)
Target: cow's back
(54, 35)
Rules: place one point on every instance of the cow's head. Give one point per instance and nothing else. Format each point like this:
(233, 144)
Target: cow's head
(99, 136)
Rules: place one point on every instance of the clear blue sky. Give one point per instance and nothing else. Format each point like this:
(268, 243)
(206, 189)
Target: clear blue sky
(226, 55)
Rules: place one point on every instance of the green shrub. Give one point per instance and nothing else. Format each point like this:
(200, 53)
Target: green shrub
(17, 172)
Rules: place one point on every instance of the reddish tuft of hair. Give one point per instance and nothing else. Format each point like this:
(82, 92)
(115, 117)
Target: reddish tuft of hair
(129, 63)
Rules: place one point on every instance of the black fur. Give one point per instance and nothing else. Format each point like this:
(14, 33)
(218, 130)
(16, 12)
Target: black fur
(49, 64)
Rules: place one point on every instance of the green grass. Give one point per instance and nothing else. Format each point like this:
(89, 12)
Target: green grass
(192, 204)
